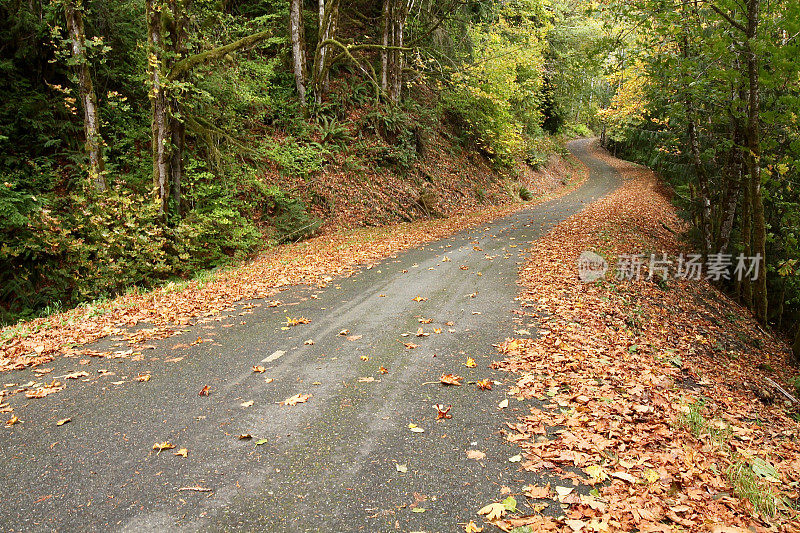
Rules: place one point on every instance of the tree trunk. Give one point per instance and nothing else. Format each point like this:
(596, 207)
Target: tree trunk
(91, 119)
(297, 34)
(395, 13)
(328, 23)
(754, 161)
(160, 125)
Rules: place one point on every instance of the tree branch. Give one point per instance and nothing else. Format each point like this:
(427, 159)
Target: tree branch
(727, 17)
(185, 65)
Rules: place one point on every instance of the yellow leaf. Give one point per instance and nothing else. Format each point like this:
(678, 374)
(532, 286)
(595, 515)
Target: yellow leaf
(161, 446)
(493, 511)
(183, 452)
(297, 398)
(472, 527)
(470, 363)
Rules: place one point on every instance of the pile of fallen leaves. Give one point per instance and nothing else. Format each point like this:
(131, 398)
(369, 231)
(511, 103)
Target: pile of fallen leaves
(651, 394)
(168, 308)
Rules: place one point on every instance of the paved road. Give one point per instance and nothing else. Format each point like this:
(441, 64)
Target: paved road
(328, 464)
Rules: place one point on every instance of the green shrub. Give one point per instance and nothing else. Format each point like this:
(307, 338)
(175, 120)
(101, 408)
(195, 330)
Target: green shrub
(287, 215)
(525, 194)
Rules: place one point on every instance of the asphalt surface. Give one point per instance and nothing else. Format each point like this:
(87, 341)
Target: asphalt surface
(330, 464)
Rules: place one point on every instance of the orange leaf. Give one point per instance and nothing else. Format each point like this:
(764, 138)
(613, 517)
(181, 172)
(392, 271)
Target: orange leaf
(450, 379)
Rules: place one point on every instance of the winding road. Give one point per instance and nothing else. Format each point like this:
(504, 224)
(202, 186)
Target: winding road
(332, 463)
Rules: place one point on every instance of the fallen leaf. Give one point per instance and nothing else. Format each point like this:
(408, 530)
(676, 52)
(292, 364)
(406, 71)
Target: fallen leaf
(63, 421)
(503, 404)
(421, 333)
(575, 525)
(261, 442)
(418, 510)
(365, 358)
(142, 377)
(11, 421)
(308, 342)
(354, 337)
(290, 322)
(247, 404)
(484, 384)
(368, 379)
(470, 363)
(383, 370)
(437, 330)
(424, 320)
(259, 369)
(205, 391)
(563, 491)
(183, 452)
(344, 332)
(493, 511)
(419, 299)
(443, 412)
(450, 379)
(515, 458)
(475, 454)
(415, 429)
(624, 476)
(269, 380)
(161, 446)
(245, 436)
(297, 398)
(410, 345)
(472, 527)
(401, 468)
(534, 492)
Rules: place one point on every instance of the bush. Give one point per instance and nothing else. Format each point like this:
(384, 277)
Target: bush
(287, 215)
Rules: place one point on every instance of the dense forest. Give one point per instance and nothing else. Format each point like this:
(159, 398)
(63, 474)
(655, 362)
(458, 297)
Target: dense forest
(149, 140)
(146, 140)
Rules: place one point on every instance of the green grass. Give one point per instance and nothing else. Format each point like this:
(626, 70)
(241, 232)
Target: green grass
(747, 485)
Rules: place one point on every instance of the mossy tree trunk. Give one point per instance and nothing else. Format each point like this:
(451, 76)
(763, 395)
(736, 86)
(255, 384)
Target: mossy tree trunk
(73, 11)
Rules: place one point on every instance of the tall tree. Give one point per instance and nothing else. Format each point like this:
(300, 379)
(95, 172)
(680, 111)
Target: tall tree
(169, 64)
(73, 11)
(328, 25)
(298, 39)
(395, 14)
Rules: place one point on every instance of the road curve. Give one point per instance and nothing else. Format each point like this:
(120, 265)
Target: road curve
(329, 464)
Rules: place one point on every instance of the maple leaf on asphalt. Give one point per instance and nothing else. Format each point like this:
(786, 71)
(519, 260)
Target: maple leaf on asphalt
(470, 363)
(259, 369)
(450, 379)
(297, 321)
(161, 446)
(476, 455)
(205, 391)
(493, 511)
(297, 398)
(419, 299)
(484, 384)
(442, 411)
(383, 370)
(142, 377)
